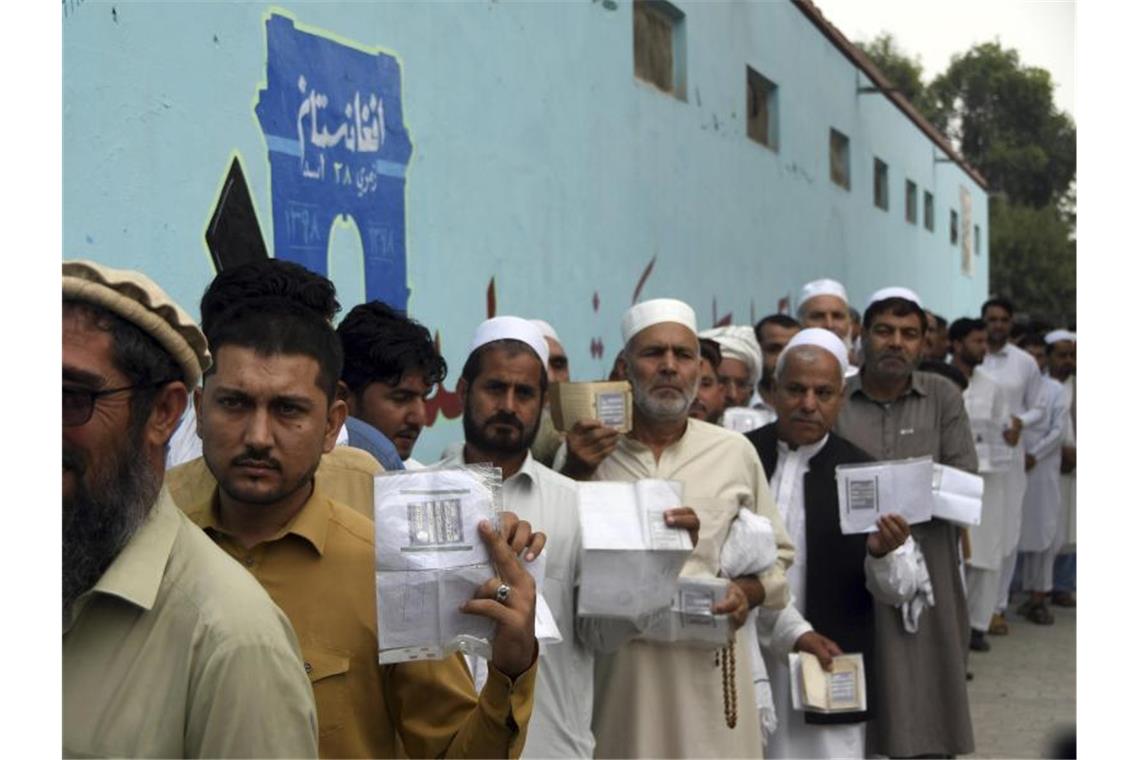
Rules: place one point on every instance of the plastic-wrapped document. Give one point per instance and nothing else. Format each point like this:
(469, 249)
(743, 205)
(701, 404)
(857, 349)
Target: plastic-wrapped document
(631, 558)
(743, 419)
(690, 618)
(869, 491)
(958, 495)
(430, 560)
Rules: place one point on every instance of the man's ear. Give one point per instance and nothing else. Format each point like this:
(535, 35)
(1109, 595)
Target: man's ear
(461, 388)
(169, 405)
(198, 411)
(338, 410)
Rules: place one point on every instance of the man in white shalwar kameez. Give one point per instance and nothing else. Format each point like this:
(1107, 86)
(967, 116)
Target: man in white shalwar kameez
(671, 700)
(808, 393)
(1019, 376)
(1063, 367)
(990, 542)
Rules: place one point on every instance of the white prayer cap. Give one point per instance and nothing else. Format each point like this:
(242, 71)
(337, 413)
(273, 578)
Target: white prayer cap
(1059, 335)
(738, 342)
(546, 330)
(654, 312)
(511, 328)
(824, 287)
(893, 292)
(817, 336)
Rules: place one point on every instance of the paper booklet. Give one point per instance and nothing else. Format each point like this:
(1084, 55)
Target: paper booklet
(609, 403)
(958, 495)
(744, 420)
(690, 618)
(631, 558)
(869, 491)
(430, 560)
(842, 689)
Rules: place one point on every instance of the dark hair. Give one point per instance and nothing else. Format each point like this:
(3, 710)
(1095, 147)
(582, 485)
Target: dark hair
(1032, 339)
(268, 278)
(1000, 302)
(963, 326)
(853, 313)
(939, 320)
(896, 307)
(274, 325)
(780, 320)
(474, 364)
(710, 350)
(381, 344)
(135, 353)
(948, 371)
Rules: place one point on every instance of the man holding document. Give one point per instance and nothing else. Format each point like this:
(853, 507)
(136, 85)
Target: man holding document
(894, 412)
(267, 411)
(668, 699)
(837, 577)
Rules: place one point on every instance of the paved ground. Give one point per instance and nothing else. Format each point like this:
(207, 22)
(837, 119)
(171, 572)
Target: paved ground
(1024, 692)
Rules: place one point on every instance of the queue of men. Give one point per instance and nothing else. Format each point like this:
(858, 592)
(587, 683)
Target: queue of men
(219, 593)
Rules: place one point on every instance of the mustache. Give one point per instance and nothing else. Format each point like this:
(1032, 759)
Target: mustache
(504, 418)
(74, 461)
(257, 459)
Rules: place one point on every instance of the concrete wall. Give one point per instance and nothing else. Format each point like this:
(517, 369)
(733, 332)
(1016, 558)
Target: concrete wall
(536, 159)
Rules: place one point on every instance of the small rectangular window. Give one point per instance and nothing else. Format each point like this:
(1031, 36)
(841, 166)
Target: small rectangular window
(953, 227)
(928, 210)
(911, 202)
(659, 45)
(881, 199)
(762, 109)
(840, 159)
(977, 240)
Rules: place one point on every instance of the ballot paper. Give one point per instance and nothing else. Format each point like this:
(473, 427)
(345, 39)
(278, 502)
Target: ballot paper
(958, 495)
(842, 689)
(744, 420)
(690, 619)
(869, 491)
(994, 454)
(430, 560)
(631, 558)
(609, 403)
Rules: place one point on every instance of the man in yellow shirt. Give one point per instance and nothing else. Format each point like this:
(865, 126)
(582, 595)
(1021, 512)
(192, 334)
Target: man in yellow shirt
(266, 413)
(169, 649)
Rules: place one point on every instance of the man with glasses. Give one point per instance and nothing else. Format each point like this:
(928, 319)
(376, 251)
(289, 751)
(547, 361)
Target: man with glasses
(169, 648)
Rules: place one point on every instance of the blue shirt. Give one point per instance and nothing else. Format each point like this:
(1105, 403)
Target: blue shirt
(364, 436)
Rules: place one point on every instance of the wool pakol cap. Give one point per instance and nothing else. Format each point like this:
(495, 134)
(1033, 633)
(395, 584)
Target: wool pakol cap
(546, 329)
(738, 342)
(139, 300)
(654, 312)
(893, 292)
(1059, 335)
(511, 328)
(824, 287)
(825, 339)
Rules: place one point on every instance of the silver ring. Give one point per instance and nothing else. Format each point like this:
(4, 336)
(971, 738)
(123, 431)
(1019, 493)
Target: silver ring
(502, 592)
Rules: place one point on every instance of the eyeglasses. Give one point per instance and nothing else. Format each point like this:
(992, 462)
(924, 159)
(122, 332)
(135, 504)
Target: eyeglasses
(79, 402)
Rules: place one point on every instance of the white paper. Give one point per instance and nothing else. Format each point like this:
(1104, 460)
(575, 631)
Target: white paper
(690, 619)
(869, 491)
(839, 688)
(994, 454)
(743, 419)
(958, 495)
(631, 558)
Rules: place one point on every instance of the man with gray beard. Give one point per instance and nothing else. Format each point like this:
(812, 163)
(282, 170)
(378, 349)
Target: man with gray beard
(169, 648)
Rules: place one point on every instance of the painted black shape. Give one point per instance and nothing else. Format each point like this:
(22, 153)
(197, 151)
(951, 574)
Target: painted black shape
(233, 234)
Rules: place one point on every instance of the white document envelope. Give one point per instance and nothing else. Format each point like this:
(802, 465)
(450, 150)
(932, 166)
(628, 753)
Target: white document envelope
(958, 495)
(869, 491)
(631, 559)
(690, 618)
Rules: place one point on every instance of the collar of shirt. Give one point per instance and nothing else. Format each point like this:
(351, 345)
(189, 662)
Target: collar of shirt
(806, 452)
(136, 574)
(917, 386)
(526, 474)
(310, 523)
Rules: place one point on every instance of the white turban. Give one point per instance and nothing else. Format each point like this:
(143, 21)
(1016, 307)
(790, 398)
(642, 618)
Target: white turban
(738, 342)
(1059, 335)
(511, 328)
(816, 336)
(885, 293)
(654, 312)
(824, 287)
(545, 328)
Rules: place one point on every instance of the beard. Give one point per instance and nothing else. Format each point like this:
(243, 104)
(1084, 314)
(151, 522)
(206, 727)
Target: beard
(103, 512)
(475, 432)
(663, 409)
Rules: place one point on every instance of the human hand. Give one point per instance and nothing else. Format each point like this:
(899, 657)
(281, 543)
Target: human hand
(685, 518)
(1012, 434)
(519, 535)
(819, 645)
(891, 534)
(588, 443)
(1068, 459)
(514, 647)
(735, 605)
(1030, 462)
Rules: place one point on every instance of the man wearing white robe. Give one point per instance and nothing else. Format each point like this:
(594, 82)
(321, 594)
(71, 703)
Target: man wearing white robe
(991, 541)
(1020, 378)
(1063, 366)
(672, 700)
(1042, 507)
(808, 393)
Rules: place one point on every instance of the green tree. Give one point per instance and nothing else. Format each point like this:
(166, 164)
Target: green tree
(903, 71)
(1033, 260)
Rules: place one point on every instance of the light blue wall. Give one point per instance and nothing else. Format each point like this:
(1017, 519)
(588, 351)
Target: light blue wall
(538, 159)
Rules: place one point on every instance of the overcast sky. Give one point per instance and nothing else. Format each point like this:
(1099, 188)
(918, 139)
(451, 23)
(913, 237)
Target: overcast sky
(1042, 32)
